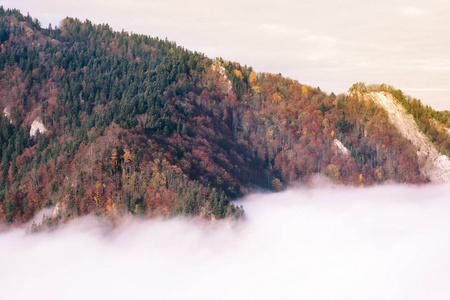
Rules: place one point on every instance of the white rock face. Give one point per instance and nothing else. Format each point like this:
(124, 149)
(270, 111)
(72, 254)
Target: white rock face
(217, 67)
(433, 165)
(340, 148)
(448, 131)
(7, 113)
(57, 210)
(37, 126)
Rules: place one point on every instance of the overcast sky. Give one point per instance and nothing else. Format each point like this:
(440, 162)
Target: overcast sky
(325, 43)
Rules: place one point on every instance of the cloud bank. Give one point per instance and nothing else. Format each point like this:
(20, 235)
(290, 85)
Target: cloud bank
(330, 243)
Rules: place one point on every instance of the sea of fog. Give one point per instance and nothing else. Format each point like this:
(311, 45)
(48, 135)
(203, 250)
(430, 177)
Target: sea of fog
(389, 242)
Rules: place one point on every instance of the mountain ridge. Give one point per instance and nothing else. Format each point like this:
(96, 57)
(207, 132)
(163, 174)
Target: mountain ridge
(137, 125)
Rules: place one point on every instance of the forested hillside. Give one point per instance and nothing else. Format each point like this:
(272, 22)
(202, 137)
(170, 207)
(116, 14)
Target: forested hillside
(135, 124)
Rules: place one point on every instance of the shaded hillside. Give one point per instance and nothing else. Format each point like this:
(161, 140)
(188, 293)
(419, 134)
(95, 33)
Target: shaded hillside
(140, 125)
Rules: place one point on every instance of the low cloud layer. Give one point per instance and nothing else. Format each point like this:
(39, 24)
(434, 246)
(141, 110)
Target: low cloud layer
(331, 243)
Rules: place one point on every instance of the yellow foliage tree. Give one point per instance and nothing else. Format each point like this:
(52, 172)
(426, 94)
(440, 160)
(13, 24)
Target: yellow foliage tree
(98, 191)
(238, 74)
(332, 171)
(269, 133)
(276, 98)
(127, 156)
(252, 77)
(114, 157)
(256, 89)
(277, 184)
(379, 174)
(110, 207)
(304, 89)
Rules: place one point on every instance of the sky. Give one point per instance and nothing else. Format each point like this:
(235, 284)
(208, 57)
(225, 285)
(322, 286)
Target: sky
(325, 43)
(327, 243)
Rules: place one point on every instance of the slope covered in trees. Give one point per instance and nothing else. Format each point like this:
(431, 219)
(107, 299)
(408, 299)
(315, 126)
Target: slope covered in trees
(140, 125)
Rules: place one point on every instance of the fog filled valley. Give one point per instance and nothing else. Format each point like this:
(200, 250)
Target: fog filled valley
(384, 242)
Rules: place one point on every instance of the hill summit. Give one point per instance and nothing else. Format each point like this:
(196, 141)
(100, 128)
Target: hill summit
(112, 123)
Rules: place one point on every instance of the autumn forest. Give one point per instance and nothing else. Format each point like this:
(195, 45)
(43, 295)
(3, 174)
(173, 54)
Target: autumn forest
(132, 124)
